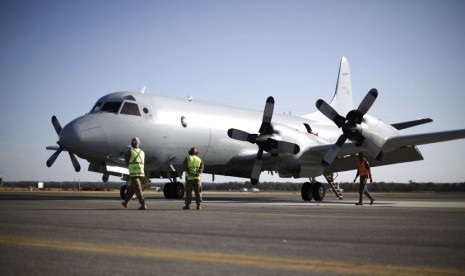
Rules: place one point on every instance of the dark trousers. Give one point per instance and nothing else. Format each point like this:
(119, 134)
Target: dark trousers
(363, 189)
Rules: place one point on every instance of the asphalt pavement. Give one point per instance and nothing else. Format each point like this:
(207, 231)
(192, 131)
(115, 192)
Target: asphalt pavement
(82, 233)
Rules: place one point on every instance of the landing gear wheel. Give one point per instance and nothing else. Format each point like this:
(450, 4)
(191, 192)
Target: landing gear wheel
(123, 190)
(307, 191)
(319, 191)
(178, 191)
(168, 190)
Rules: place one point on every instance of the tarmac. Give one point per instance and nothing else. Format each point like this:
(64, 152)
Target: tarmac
(263, 233)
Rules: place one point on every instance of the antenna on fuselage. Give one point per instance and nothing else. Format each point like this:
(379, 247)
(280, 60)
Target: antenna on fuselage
(142, 91)
(189, 98)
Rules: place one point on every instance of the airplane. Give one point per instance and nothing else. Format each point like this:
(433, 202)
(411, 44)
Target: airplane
(240, 142)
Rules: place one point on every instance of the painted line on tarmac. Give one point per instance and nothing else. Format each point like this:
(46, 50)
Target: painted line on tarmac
(232, 259)
(404, 204)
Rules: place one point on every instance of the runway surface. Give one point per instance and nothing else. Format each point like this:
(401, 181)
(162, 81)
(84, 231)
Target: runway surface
(58, 233)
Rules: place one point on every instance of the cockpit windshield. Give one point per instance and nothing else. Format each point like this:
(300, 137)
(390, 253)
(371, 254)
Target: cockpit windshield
(111, 107)
(128, 108)
(96, 107)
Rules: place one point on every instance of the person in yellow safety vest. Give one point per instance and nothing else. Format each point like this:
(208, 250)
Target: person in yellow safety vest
(193, 166)
(135, 158)
(363, 170)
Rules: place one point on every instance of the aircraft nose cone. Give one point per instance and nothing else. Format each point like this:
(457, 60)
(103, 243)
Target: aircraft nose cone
(83, 136)
(69, 137)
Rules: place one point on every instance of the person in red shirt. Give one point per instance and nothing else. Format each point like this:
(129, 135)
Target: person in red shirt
(363, 170)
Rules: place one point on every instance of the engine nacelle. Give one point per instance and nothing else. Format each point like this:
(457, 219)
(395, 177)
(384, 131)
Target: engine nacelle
(376, 130)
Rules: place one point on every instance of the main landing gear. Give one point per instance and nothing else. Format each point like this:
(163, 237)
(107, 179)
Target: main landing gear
(317, 191)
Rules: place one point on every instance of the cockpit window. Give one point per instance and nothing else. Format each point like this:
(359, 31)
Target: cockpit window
(130, 109)
(96, 107)
(112, 107)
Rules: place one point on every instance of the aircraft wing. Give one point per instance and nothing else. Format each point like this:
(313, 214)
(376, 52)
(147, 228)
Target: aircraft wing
(397, 149)
(346, 149)
(421, 139)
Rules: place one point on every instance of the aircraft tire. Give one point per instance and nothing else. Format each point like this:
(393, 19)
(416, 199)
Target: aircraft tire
(178, 190)
(122, 191)
(168, 190)
(319, 191)
(307, 191)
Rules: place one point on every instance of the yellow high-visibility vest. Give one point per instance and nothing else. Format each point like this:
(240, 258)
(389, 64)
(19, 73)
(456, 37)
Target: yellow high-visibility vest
(136, 163)
(193, 166)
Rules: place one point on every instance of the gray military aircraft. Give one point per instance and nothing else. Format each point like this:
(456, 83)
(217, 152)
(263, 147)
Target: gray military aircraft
(240, 142)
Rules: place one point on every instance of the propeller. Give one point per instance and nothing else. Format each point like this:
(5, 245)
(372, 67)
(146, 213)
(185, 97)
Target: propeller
(264, 140)
(51, 160)
(350, 126)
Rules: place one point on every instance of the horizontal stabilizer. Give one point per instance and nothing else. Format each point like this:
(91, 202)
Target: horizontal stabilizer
(413, 123)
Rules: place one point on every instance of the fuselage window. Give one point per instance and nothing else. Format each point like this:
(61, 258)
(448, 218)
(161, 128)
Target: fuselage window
(112, 107)
(130, 109)
(96, 107)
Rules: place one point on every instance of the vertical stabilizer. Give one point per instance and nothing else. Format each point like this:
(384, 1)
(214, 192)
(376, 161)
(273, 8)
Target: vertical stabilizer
(342, 101)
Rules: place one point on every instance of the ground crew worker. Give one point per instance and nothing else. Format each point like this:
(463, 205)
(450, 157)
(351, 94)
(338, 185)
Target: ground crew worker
(363, 170)
(135, 158)
(193, 166)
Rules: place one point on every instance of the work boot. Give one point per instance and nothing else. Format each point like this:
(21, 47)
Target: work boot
(125, 204)
(199, 207)
(186, 207)
(143, 206)
(359, 203)
(371, 201)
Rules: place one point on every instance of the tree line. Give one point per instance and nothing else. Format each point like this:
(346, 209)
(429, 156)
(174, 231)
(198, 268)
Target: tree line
(237, 186)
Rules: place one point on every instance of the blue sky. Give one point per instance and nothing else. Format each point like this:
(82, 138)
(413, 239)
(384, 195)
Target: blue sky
(59, 57)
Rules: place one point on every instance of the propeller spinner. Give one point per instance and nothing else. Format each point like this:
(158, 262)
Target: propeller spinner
(263, 140)
(350, 126)
(51, 160)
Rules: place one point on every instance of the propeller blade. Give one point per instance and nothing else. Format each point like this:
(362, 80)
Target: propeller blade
(329, 112)
(373, 149)
(268, 112)
(54, 156)
(56, 124)
(284, 146)
(76, 165)
(368, 101)
(257, 168)
(331, 155)
(238, 134)
(266, 128)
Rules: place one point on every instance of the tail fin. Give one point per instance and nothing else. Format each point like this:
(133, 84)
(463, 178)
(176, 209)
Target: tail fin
(342, 101)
